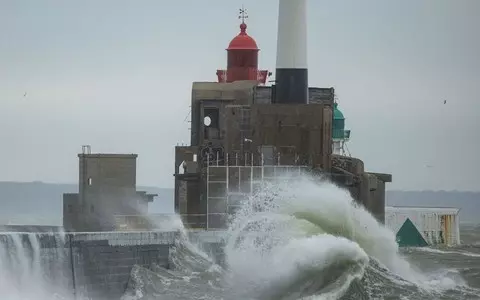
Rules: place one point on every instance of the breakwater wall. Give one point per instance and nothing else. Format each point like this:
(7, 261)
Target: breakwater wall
(88, 265)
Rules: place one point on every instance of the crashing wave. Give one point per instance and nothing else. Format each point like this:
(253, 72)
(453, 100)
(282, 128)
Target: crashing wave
(298, 239)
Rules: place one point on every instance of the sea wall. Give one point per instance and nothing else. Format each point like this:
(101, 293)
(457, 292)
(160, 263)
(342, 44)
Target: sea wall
(102, 261)
(88, 265)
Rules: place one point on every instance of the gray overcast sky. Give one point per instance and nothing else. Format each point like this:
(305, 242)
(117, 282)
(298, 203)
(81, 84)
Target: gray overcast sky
(117, 74)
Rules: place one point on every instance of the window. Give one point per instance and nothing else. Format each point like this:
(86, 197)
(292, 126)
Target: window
(242, 58)
(211, 123)
(211, 117)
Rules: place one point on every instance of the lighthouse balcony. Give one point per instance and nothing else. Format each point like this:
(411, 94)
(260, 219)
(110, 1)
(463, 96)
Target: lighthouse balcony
(341, 134)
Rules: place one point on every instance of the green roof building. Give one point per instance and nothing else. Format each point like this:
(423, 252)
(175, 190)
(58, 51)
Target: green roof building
(339, 134)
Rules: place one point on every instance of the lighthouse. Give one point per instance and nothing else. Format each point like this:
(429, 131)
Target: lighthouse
(339, 135)
(244, 133)
(242, 57)
(291, 74)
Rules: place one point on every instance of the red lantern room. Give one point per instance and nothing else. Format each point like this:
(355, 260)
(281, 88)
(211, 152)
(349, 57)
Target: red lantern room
(242, 61)
(242, 57)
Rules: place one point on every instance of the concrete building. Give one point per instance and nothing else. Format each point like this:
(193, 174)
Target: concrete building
(244, 133)
(107, 187)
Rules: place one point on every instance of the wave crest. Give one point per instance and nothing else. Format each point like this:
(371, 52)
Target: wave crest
(301, 239)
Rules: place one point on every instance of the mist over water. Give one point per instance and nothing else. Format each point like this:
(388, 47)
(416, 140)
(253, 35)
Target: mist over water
(295, 239)
(29, 272)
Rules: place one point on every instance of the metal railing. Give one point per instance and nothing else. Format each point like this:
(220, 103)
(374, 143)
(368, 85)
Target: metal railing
(231, 177)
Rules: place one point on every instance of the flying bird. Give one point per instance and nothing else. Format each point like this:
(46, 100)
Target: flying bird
(444, 101)
(25, 95)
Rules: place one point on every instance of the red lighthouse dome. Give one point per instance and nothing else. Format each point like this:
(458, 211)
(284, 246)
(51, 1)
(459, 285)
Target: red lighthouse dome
(242, 58)
(243, 41)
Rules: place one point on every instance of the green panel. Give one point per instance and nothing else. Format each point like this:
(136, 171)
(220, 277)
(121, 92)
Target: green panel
(338, 133)
(408, 236)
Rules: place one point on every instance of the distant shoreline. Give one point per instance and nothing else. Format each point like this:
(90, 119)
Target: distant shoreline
(41, 202)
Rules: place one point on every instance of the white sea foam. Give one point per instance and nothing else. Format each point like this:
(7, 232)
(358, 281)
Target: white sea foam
(27, 272)
(439, 251)
(299, 226)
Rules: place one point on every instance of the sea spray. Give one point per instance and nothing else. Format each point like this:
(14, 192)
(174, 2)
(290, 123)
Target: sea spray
(285, 215)
(299, 239)
(271, 253)
(28, 272)
(192, 274)
(295, 239)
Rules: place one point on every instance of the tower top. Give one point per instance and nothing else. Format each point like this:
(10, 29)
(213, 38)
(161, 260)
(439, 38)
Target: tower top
(242, 57)
(243, 41)
(338, 129)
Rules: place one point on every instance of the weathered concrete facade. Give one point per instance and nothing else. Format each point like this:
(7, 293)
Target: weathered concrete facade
(367, 188)
(107, 187)
(237, 124)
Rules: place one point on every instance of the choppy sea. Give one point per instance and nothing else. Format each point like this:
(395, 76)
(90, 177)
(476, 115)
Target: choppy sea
(292, 240)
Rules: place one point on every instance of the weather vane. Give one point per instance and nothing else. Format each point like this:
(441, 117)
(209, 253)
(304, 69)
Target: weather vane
(243, 14)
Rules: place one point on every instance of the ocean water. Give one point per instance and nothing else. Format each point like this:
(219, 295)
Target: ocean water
(293, 240)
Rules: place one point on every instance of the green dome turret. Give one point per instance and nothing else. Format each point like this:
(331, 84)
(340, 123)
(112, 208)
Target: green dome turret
(337, 114)
(338, 127)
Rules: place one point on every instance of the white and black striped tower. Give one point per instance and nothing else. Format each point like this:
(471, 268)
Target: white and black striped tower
(291, 78)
